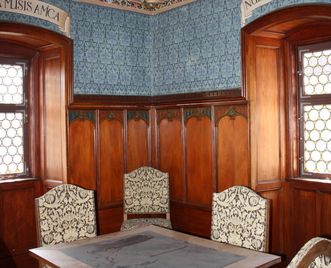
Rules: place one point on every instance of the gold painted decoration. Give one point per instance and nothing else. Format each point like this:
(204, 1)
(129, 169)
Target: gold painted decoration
(169, 114)
(111, 115)
(137, 115)
(197, 112)
(232, 112)
(148, 7)
(38, 9)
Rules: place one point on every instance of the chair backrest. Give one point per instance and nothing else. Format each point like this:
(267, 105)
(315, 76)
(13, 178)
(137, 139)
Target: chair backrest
(146, 191)
(65, 213)
(240, 217)
(316, 253)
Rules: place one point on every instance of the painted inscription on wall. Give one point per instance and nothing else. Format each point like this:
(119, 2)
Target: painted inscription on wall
(247, 7)
(39, 9)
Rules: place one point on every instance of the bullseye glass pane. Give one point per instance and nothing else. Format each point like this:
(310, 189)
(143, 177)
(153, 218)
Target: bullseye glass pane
(317, 70)
(11, 84)
(11, 143)
(317, 138)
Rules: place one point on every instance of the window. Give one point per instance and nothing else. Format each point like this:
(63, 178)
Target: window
(315, 110)
(13, 119)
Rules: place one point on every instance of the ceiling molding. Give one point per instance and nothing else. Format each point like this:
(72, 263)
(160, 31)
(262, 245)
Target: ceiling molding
(138, 6)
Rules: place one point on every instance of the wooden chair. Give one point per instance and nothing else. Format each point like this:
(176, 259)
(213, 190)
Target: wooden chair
(316, 253)
(241, 217)
(65, 213)
(146, 191)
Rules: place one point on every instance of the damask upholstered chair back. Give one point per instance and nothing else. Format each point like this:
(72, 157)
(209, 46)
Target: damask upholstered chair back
(146, 191)
(240, 217)
(65, 213)
(316, 253)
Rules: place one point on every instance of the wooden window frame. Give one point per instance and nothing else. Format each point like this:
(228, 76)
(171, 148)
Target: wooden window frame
(303, 100)
(24, 108)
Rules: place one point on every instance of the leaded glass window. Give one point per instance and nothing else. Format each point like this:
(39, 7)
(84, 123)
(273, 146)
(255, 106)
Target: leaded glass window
(315, 110)
(13, 119)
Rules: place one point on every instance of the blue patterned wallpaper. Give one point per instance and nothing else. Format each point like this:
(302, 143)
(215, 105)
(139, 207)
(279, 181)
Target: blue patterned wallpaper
(197, 47)
(193, 48)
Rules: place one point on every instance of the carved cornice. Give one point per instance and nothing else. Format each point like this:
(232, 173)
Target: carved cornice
(197, 112)
(169, 114)
(81, 115)
(232, 112)
(137, 115)
(147, 101)
(111, 115)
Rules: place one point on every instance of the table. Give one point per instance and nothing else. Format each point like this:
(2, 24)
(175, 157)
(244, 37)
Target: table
(151, 247)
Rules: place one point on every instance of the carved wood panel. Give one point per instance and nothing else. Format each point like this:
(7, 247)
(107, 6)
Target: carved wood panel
(232, 146)
(199, 158)
(111, 158)
(82, 152)
(171, 151)
(138, 140)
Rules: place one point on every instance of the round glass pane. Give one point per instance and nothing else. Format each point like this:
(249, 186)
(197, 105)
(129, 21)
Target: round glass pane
(6, 142)
(313, 80)
(323, 79)
(3, 169)
(309, 71)
(313, 115)
(7, 159)
(310, 146)
(326, 135)
(309, 125)
(321, 166)
(326, 156)
(17, 141)
(315, 156)
(319, 125)
(310, 166)
(12, 72)
(322, 60)
(12, 168)
(325, 114)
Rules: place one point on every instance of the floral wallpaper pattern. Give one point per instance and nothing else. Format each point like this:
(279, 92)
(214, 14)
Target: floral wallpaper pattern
(192, 48)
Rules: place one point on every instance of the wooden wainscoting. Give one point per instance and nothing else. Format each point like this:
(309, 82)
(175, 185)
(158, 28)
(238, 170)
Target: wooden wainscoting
(17, 222)
(203, 146)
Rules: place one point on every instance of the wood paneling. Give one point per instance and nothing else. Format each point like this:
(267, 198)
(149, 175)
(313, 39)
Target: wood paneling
(232, 147)
(190, 219)
(111, 158)
(270, 83)
(265, 112)
(138, 144)
(199, 160)
(110, 220)
(17, 224)
(50, 87)
(181, 139)
(171, 151)
(81, 156)
(52, 121)
(324, 214)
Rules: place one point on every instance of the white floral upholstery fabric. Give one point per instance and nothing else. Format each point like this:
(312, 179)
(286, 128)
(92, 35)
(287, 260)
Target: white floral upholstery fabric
(240, 217)
(146, 191)
(65, 213)
(323, 260)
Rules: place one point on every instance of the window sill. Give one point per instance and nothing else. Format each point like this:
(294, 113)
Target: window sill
(310, 184)
(13, 180)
